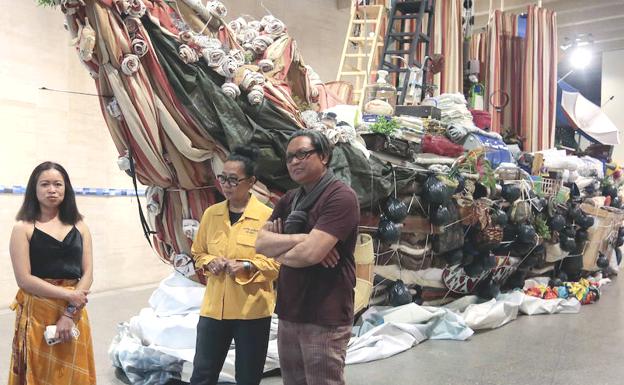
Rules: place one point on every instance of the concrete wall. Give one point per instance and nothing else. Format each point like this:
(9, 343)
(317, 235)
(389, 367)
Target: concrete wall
(38, 125)
(613, 85)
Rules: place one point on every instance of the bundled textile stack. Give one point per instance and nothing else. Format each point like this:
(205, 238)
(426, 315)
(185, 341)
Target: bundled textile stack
(181, 86)
(454, 110)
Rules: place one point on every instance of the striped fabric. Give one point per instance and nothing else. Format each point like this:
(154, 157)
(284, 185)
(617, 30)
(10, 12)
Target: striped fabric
(523, 68)
(504, 71)
(448, 40)
(33, 361)
(539, 90)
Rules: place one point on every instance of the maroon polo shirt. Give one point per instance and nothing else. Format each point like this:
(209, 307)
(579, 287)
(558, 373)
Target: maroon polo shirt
(315, 294)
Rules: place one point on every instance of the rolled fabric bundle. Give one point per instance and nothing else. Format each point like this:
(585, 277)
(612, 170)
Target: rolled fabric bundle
(132, 25)
(207, 42)
(248, 35)
(136, 9)
(113, 109)
(237, 24)
(186, 37)
(122, 6)
(237, 55)
(139, 47)
(229, 66)
(251, 79)
(261, 43)
(266, 65)
(456, 133)
(214, 57)
(266, 20)
(230, 89)
(217, 8)
(187, 54)
(256, 95)
(275, 28)
(254, 24)
(130, 64)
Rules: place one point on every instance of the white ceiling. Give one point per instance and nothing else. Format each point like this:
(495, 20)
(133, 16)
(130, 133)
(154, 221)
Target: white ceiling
(603, 19)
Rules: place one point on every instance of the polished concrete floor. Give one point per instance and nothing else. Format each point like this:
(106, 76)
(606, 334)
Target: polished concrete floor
(584, 348)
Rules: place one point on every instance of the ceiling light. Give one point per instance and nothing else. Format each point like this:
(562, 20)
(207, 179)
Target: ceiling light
(580, 58)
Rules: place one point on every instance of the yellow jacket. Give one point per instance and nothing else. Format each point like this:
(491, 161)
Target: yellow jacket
(245, 297)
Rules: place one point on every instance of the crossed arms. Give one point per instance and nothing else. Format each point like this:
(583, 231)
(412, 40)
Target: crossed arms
(297, 250)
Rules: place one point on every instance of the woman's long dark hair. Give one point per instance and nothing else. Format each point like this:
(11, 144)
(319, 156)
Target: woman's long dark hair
(31, 210)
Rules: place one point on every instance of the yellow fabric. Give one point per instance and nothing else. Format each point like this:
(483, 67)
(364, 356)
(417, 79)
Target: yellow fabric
(246, 297)
(33, 361)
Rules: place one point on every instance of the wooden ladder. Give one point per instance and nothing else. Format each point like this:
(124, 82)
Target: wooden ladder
(361, 48)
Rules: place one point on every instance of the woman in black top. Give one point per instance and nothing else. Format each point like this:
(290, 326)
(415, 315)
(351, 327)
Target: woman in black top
(52, 260)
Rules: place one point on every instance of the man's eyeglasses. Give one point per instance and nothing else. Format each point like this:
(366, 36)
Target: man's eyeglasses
(301, 155)
(231, 180)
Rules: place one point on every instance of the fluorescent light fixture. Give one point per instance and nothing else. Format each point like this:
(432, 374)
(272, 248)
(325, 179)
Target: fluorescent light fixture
(580, 58)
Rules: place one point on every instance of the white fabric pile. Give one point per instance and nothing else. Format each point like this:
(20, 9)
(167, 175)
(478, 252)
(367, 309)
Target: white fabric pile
(160, 342)
(454, 110)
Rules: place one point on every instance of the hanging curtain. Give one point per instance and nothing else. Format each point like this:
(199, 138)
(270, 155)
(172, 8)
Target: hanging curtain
(448, 40)
(505, 71)
(477, 50)
(539, 90)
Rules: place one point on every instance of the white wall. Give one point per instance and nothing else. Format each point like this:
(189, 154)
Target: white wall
(613, 84)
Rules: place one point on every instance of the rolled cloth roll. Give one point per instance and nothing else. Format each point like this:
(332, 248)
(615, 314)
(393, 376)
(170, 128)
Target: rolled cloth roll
(229, 66)
(132, 25)
(136, 9)
(261, 43)
(130, 64)
(237, 25)
(275, 28)
(230, 89)
(266, 65)
(256, 95)
(214, 57)
(139, 47)
(217, 8)
(187, 54)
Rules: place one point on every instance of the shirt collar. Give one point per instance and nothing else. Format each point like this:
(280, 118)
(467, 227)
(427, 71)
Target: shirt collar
(251, 211)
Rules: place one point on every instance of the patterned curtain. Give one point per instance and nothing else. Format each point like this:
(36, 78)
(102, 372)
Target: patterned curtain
(539, 89)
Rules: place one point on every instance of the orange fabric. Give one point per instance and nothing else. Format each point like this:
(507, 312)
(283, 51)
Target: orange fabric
(33, 361)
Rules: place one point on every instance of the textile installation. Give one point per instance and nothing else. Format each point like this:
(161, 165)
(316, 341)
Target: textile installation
(520, 75)
(180, 87)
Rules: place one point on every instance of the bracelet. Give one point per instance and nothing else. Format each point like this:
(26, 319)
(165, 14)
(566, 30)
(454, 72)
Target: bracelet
(68, 316)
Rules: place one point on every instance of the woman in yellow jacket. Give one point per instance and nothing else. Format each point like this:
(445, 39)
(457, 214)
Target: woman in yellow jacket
(239, 297)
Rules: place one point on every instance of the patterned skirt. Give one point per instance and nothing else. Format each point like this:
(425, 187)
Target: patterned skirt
(33, 361)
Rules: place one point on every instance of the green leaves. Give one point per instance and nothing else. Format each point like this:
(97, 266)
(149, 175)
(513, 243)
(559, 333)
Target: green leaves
(384, 126)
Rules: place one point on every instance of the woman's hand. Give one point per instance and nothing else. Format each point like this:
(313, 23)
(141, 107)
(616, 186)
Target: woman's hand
(77, 298)
(64, 327)
(217, 265)
(235, 267)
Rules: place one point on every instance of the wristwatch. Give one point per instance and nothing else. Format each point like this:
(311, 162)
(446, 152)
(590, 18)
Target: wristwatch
(247, 266)
(71, 309)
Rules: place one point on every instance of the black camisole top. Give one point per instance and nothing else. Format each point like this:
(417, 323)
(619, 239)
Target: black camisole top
(51, 258)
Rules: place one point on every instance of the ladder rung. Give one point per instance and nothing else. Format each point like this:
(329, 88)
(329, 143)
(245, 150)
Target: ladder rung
(353, 73)
(359, 38)
(398, 34)
(356, 55)
(370, 21)
(409, 6)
